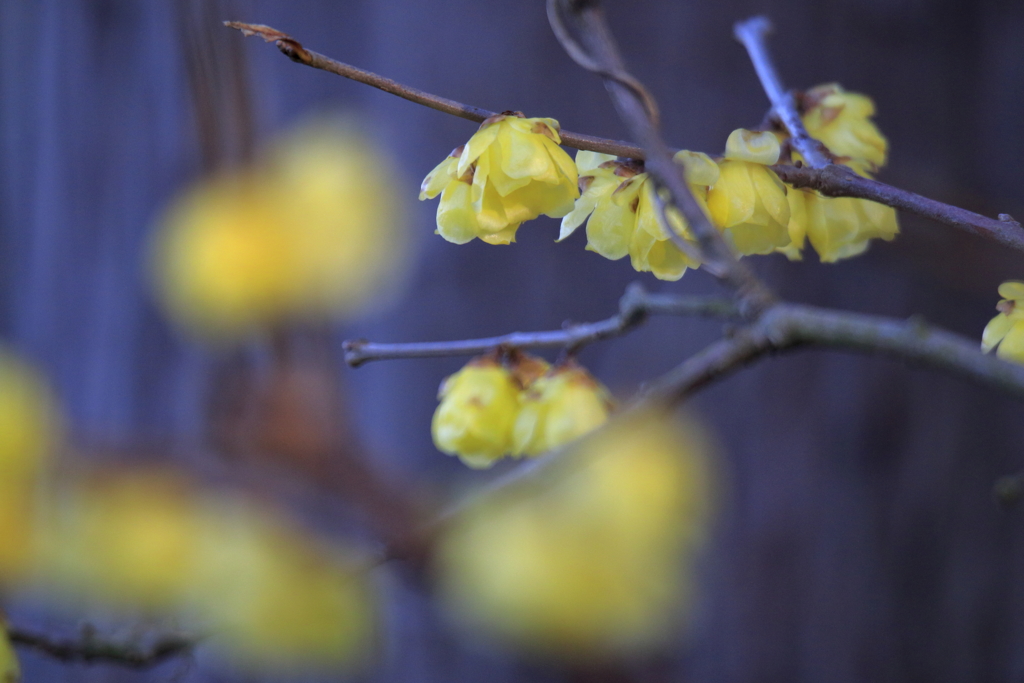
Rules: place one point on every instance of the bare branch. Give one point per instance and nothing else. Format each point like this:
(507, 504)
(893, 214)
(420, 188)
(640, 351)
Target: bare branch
(634, 307)
(92, 650)
(296, 52)
(786, 327)
(586, 21)
(752, 33)
(839, 181)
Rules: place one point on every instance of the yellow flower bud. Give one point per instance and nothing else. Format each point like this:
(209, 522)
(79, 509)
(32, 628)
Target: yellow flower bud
(841, 227)
(478, 408)
(842, 121)
(596, 560)
(748, 202)
(10, 671)
(1006, 330)
(558, 408)
(511, 170)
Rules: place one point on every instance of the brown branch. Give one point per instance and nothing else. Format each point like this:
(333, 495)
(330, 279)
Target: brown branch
(91, 650)
(296, 52)
(581, 28)
(839, 181)
(752, 33)
(634, 308)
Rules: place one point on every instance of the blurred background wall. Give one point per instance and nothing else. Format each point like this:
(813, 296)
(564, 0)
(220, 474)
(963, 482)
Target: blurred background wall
(860, 540)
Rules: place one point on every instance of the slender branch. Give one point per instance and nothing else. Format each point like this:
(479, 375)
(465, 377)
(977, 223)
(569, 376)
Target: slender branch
(785, 327)
(586, 21)
(296, 52)
(752, 33)
(634, 308)
(839, 181)
(90, 650)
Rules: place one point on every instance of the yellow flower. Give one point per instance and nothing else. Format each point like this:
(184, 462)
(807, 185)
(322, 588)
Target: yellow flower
(842, 121)
(748, 202)
(274, 597)
(478, 408)
(308, 233)
(10, 671)
(562, 406)
(841, 227)
(1006, 330)
(623, 212)
(28, 433)
(596, 560)
(797, 223)
(511, 170)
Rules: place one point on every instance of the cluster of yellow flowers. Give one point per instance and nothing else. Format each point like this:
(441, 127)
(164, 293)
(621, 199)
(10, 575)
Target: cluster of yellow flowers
(153, 540)
(596, 560)
(1005, 332)
(517, 406)
(513, 170)
(841, 227)
(310, 232)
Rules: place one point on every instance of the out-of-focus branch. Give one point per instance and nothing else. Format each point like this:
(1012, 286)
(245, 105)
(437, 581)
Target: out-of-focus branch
(294, 50)
(752, 32)
(838, 181)
(582, 29)
(634, 308)
(89, 649)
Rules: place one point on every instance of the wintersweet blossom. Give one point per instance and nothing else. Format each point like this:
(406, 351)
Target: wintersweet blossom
(841, 227)
(1005, 332)
(620, 206)
(308, 232)
(478, 407)
(842, 121)
(560, 407)
(748, 202)
(511, 170)
(596, 560)
(29, 427)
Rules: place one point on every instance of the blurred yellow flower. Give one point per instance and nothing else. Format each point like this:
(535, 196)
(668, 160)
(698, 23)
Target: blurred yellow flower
(311, 232)
(1006, 330)
(842, 121)
(624, 217)
(511, 170)
(130, 539)
(273, 597)
(478, 407)
(28, 433)
(559, 407)
(748, 202)
(10, 671)
(596, 559)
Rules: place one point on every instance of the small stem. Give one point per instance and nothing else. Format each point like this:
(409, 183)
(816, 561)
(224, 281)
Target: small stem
(752, 33)
(634, 307)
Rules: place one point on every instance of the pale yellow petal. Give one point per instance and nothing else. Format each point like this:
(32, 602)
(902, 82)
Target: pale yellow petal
(752, 146)
(995, 331)
(1012, 290)
(1011, 348)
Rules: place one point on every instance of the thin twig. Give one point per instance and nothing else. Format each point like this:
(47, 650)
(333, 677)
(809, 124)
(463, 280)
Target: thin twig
(839, 181)
(634, 308)
(582, 27)
(91, 650)
(296, 52)
(752, 33)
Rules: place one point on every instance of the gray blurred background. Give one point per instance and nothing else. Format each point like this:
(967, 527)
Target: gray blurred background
(860, 540)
